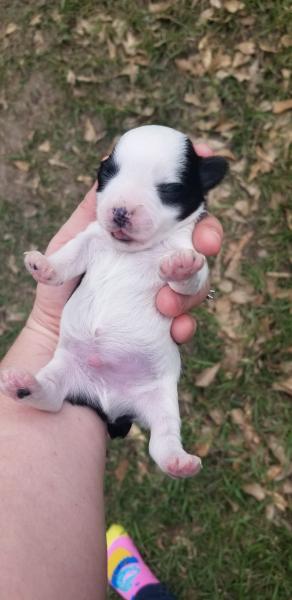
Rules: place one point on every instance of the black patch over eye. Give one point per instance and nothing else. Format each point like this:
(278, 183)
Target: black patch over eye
(187, 194)
(196, 177)
(107, 170)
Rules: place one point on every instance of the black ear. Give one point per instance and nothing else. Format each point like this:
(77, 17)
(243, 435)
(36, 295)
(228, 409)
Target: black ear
(212, 170)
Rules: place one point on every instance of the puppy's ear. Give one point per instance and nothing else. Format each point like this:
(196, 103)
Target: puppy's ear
(212, 170)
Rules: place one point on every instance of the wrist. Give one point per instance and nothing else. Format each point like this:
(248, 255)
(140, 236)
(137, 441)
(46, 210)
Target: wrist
(33, 348)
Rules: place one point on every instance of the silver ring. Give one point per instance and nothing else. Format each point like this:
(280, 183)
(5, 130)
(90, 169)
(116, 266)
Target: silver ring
(211, 295)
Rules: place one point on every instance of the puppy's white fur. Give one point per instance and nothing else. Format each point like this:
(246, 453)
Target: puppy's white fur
(114, 344)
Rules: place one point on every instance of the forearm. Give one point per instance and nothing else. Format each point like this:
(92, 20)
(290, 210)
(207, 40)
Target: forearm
(51, 504)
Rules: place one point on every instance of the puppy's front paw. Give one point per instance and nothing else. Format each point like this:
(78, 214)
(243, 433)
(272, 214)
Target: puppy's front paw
(40, 268)
(18, 384)
(181, 265)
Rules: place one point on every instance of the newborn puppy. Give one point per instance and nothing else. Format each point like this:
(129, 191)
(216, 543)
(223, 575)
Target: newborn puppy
(115, 351)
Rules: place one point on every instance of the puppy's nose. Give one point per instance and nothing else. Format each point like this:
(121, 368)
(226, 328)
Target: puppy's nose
(120, 216)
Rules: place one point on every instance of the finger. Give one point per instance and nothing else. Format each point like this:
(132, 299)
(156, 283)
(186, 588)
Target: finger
(171, 304)
(203, 150)
(208, 235)
(84, 214)
(183, 328)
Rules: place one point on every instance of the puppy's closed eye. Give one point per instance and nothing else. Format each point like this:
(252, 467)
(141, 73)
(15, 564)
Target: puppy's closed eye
(107, 170)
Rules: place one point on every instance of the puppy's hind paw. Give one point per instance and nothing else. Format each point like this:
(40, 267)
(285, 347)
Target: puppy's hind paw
(40, 268)
(182, 465)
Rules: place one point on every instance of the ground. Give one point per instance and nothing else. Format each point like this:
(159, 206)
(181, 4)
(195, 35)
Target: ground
(74, 76)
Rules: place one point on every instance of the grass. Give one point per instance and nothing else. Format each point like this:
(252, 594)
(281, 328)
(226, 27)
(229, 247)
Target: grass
(206, 538)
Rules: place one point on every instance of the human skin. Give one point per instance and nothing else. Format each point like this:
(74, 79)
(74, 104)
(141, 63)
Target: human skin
(52, 465)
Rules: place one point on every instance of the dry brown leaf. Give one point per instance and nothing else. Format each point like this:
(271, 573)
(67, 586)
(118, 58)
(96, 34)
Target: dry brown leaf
(159, 7)
(243, 207)
(207, 376)
(287, 488)
(206, 15)
(283, 386)
(216, 3)
(241, 296)
(192, 99)
(225, 286)
(22, 165)
(255, 490)
(279, 501)
(239, 60)
(86, 79)
(268, 47)
(36, 20)
(247, 48)
(136, 433)
(11, 28)
(217, 416)
(270, 512)
(11, 262)
(131, 70)
(273, 472)
(39, 42)
(232, 270)
(71, 77)
(45, 146)
(277, 450)
(15, 317)
(85, 179)
(233, 6)
(281, 106)
(56, 162)
(286, 41)
(89, 132)
(121, 470)
(202, 448)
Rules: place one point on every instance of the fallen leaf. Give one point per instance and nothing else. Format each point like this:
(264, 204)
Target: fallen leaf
(273, 472)
(36, 20)
(89, 132)
(268, 47)
(22, 165)
(281, 106)
(11, 28)
(207, 376)
(277, 450)
(11, 262)
(240, 296)
(279, 501)
(270, 512)
(202, 448)
(286, 41)
(45, 146)
(255, 490)
(56, 162)
(159, 7)
(121, 470)
(71, 77)
(247, 48)
(233, 6)
(217, 416)
(85, 179)
(283, 386)
(287, 488)
(192, 99)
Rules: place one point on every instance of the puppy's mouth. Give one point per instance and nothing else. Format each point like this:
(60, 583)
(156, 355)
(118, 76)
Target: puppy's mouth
(120, 235)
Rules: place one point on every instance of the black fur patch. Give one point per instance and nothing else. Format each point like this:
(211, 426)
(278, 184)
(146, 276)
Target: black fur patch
(108, 169)
(119, 428)
(197, 176)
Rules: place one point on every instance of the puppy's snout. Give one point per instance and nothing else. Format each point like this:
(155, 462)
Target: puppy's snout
(120, 216)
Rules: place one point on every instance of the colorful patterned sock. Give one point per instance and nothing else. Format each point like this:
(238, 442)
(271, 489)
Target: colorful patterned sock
(127, 572)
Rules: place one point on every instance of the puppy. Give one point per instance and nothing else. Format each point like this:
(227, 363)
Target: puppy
(115, 351)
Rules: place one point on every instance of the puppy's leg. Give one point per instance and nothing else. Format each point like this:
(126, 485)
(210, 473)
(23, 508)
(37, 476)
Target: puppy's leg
(161, 414)
(45, 391)
(186, 271)
(68, 262)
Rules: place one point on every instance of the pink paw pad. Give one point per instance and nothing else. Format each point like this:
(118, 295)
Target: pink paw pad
(182, 265)
(183, 466)
(38, 265)
(17, 384)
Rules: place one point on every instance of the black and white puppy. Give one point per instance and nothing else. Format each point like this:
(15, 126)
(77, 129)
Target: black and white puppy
(115, 351)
